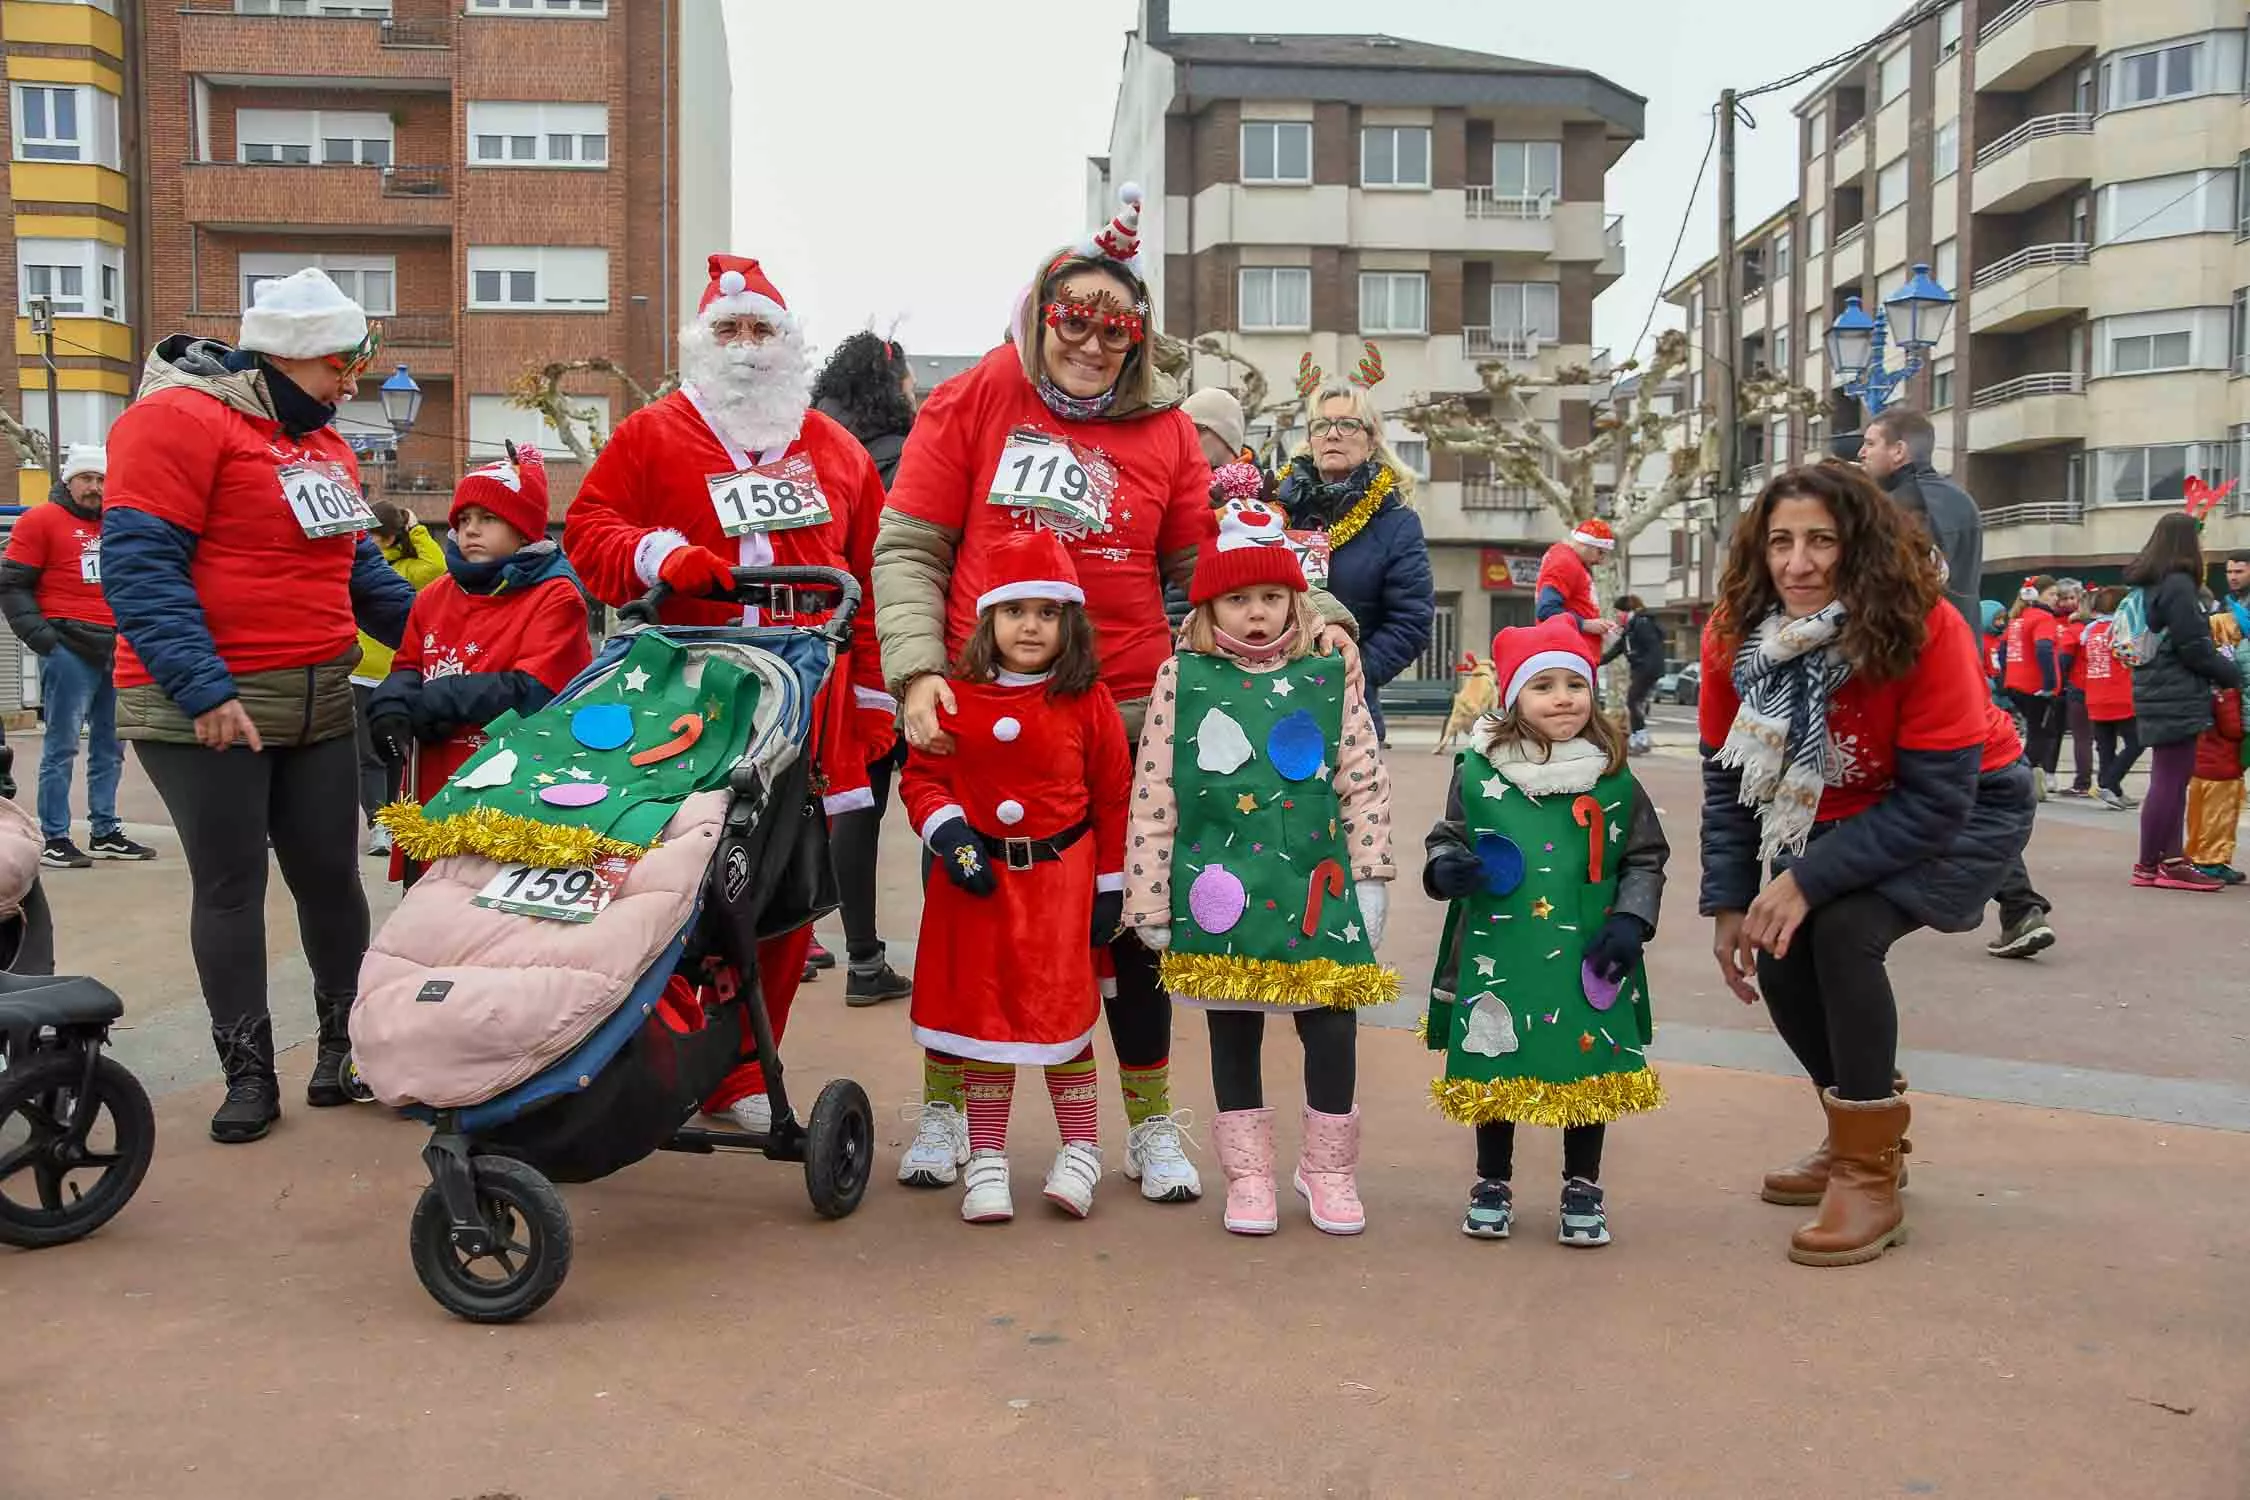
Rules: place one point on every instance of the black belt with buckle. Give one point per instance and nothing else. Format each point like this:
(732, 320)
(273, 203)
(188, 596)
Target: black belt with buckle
(1022, 854)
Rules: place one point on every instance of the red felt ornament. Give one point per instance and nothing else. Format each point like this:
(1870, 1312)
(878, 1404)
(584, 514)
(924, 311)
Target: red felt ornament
(1587, 814)
(1327, 880)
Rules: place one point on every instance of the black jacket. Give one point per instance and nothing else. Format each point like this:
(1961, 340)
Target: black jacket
(19, 601)
(1642, 646)
(2172, 694)
(1956, 526)
(884, 448)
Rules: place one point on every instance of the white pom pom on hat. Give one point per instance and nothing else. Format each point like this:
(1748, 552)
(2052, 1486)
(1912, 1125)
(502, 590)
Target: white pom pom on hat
(739, 287)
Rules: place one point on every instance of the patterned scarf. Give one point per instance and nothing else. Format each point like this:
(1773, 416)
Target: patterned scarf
(1314, 501)
(1786, 674)
(1074, 408)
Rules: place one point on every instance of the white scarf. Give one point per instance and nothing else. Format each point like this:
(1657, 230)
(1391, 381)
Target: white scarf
(1779, 741)
(1572, 766)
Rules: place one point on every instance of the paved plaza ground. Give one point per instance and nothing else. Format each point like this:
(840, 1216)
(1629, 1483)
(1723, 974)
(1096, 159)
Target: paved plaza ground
(2068, 1320)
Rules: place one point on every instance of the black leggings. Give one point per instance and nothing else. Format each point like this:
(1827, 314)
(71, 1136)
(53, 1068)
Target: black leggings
(225, 804)
(1638, 690)
(2043, 721)
(852, 843)
(1331, 1042)
(1140, 1013)
(1581, 1151)
(2117, 743)
(378, 778)
(1831, 997)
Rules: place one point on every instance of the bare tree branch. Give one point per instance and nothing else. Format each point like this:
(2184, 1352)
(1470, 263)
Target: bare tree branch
(30, 443)
(580, 426)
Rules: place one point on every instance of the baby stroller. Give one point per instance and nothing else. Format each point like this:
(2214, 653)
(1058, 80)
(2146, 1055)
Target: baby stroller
(490, 1238)
(76, 1130)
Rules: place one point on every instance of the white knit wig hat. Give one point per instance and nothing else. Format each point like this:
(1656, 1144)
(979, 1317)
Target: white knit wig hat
(302, 316)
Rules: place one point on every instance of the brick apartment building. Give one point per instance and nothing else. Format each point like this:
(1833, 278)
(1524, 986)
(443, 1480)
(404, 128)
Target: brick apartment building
(1307, 192)
(501, 183)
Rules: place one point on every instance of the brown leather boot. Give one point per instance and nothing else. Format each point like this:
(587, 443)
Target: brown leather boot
(1860, 1213)
(1800, 1184)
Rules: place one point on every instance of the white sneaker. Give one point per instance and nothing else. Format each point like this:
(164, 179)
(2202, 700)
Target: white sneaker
(1072, 1179)
(987, 1200)
(378, 840)
(940, 1147)
(1153, 1159)
(753, 1113)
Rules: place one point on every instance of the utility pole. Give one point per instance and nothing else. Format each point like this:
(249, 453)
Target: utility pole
(43, 324)
(1729, 353)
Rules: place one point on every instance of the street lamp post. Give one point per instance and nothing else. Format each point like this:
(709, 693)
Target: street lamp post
(402, 401)
(1914, 317)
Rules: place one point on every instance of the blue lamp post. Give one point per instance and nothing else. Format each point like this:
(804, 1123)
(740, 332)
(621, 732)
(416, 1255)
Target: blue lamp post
(402, 401)
(1914, 317)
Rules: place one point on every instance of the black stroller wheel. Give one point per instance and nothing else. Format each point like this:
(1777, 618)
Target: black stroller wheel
(839, 1148)
(531, 1245)
(52, 1189)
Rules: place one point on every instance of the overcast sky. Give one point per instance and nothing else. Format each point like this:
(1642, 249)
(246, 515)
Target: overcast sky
(903, 165)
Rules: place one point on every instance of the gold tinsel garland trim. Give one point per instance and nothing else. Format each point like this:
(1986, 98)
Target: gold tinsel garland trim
(1354, 520)
(1236, 980)
(1533, 1101)
(507, 837)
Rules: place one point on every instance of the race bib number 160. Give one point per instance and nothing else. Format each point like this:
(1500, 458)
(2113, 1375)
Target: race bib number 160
(323, 502)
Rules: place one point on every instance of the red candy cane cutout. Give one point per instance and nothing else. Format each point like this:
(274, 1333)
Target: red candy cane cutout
(689, 728)
(1587, 814)
(1327, 880)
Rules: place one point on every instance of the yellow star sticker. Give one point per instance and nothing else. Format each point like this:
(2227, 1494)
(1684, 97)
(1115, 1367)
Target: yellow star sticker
(712, 709)
(544, 778)
(1541, 907)
(1246, 803)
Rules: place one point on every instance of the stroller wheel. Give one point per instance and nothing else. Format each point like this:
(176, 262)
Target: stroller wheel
(839, 1148)
(59, 1182)
(531, 1245)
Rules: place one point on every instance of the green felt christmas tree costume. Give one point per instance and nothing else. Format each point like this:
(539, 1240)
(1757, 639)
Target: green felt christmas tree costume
(1263, 906)
(529, 795)
(1522, 1041)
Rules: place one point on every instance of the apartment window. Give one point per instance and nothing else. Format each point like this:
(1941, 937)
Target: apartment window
(1890, 186)
(539, 7)
(65, 122)
(1895, 73)
(1695, 316)
(1949, 31)
(524, 278)
(82, 278)
(1276, 151)
(1530, 310)
(1415, 454)
(2153, 208)
(84, 416)
(2141, 343)
(299, 137)
(1781, 352)
(495, 421)
(1781, 252)
(2238, 333)
(1276, 297)
(2151, 76)
(368, 8)
(369, 280)
(1394, 302)
(1816, 231)
(1527, 169)
(1945, 264)
(538, 135)
(1816, 130)
(1941, 385)
(2242, 196)
(1816, 333)
(2156, 474)
(1945, 150)
(1394, 156)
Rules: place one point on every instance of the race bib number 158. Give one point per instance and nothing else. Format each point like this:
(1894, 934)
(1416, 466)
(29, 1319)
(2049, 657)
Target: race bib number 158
(779, 497)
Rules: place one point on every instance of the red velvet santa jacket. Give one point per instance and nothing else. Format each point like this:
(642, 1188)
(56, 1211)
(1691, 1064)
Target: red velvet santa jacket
(648, 493)
(1565, 586)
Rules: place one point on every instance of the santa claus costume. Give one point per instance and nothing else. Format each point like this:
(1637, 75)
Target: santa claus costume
(1566, 583)
(735, 470)
(1025, 821)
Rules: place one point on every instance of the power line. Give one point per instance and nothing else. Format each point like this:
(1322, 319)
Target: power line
(1687, 216)
(1897, 28)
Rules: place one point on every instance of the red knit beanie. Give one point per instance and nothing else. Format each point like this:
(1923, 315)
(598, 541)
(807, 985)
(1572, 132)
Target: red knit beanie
(514, 489)
(1522, 652)
(1252, 550)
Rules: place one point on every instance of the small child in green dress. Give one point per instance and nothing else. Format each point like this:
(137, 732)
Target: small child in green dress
(1552, 858)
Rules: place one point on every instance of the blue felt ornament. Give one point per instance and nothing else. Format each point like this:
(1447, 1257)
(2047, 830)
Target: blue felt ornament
(602, 726)
(1502, 861)
(1296, 748)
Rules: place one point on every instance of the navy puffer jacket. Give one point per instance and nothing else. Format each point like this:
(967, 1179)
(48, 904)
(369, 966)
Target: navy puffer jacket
(1382, 575)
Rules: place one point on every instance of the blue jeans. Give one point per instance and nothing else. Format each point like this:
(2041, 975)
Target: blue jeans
(79, 696)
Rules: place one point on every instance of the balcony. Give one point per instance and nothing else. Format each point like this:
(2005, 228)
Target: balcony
(2036, 513)
(1847, 237)
(1479, 341)
(353, 52)
(404, 200)
(1485, 493)
(2038, 160)
(2030, 411)
(2033, 40)
(1612, 263)
(1489, 203)
(2038, 284)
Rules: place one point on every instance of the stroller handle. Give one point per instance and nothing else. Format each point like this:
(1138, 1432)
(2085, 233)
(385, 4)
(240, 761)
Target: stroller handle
(770, 589)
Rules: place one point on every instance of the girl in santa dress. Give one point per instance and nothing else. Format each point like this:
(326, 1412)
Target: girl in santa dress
(1025, 823)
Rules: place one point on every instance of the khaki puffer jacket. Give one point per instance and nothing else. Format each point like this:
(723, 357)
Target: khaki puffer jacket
(296, 706)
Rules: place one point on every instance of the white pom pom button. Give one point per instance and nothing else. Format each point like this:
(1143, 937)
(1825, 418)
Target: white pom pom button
(1005, 730)
(1010, 812)
(732, 282)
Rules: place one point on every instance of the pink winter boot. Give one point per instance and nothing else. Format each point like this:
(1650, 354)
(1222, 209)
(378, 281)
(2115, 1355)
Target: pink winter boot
(1324, 1172)
(1245, 1141)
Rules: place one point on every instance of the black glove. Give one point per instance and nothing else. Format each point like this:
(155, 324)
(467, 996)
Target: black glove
(960, 853)
(1109, 916)
(1616, 949)
(1453, 874)
(392, 734)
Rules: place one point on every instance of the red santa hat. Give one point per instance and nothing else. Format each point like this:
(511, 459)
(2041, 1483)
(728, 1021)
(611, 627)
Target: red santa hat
(1522, 652)
(1594, 532)
(1252, 550)
(514, 489)
(739, 289)
(1030, 565)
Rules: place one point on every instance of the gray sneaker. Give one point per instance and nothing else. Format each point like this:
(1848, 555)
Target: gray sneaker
(1491, 1211)
(2026, 935)
(1583, 1221)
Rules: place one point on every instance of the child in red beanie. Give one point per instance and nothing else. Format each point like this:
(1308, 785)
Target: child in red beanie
(502, 632)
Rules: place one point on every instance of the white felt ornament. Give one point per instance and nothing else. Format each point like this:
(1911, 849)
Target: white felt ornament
(1492, 1028)
(498, 771)
(1220, 744)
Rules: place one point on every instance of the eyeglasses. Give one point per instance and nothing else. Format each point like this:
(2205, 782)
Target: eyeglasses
(750, 330)
(1077, 322)
(354, 361)
(1341, 426)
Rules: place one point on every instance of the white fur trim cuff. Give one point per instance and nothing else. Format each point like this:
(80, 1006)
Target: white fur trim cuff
(940, 818)
(1539, 662)
(867, 697)
(1110, 882)
(748, 305)
(1032, 588)
(860, 799)
(1586, 539)
(649, 554)
(976, 1049)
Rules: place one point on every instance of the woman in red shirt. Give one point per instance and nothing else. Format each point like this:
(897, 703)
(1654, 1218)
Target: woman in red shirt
(2033, 676)
(2109, 702)
(1850, 745)
(1068, 426)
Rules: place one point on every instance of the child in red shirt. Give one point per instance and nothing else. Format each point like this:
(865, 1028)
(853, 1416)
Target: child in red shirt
(503, 631)
(2109, 702)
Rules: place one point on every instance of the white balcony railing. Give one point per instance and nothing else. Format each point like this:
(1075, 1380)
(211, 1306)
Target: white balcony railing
(2037, 513)
(1613, 233)
(2061, 383)
(1848, 235)
(2033, 130)
(2008, 18)
(1482, 492)
(1481, 342)
(1489, 203)
(2029, 257)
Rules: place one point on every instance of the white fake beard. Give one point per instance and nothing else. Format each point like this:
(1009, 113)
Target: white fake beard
(756, 394)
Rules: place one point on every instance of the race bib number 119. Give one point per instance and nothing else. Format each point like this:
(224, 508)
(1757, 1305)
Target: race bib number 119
(1038, 472)
(323, 502)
